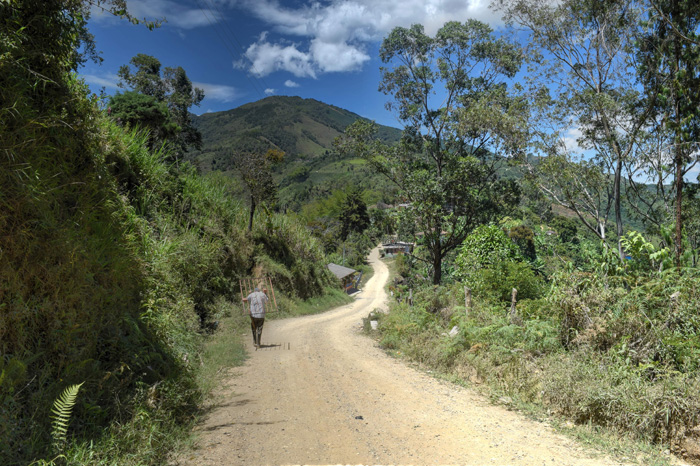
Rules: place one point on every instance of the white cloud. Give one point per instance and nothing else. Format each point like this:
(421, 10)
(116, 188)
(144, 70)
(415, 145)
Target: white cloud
(108, 81)
(266, 58)
(337, 57)
(176, 13)
(270, 91)
(339, 30)
(571, 140)
(218, 92)
(290, 83)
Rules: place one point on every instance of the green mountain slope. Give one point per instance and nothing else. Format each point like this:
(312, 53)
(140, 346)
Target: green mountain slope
(304, 129)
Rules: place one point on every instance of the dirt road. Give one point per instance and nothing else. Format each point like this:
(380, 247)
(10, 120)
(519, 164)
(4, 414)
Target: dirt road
(320, 392)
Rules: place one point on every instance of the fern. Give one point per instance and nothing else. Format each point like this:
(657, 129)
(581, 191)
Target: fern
(60, 415)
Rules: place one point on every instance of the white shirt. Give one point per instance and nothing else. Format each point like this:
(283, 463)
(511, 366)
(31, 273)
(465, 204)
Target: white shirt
(257, 300)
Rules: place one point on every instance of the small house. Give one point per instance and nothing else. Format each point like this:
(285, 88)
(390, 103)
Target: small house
(347, 276)
(397, 247)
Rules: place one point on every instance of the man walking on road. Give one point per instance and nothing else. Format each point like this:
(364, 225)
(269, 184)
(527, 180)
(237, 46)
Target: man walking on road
(257, 299)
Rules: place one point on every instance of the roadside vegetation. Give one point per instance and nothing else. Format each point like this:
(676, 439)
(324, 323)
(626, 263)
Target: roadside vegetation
(564, 278)
(548, 273)
(118, 260)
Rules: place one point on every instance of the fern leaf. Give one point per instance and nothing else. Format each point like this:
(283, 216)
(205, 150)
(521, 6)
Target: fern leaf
(60, 414)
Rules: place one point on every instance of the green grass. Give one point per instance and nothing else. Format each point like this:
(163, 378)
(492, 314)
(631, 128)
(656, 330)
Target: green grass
(223, 350)
(331, 298)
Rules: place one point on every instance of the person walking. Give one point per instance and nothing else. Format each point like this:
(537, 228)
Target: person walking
(258, 301)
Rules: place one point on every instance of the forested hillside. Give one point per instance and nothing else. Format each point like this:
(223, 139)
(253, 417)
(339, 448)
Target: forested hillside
(304, 129)
(300, 127)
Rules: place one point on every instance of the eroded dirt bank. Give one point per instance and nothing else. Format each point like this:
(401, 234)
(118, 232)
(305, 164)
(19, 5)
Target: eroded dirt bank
(319, 392)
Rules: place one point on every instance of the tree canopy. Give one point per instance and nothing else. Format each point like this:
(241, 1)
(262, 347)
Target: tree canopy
(173, 89)
(460, 121)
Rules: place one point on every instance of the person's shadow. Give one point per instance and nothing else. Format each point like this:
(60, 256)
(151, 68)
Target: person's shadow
(274, 346)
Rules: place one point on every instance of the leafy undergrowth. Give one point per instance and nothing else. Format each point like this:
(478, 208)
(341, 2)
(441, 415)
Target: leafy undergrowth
(606, 359)
(116, 265)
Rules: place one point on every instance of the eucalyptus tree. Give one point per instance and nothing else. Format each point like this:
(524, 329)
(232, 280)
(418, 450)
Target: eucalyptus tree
(669, 69)
(584, 56)
(172, 87)
(578, 185)
(460, 118)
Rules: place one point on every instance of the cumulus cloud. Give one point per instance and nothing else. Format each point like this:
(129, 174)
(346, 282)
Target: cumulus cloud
(218, 92)
(339, 31)
(290, 83)
(337, 57)
(265, 58)
(180, 14)
(270, 91)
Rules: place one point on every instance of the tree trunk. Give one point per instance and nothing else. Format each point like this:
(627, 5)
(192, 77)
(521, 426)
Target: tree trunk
(618, 209)
(678, 156)
(437, 267)
(252, 213)
(679, 201)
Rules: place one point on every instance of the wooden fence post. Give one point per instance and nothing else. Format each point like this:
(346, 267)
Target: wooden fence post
(514, 319)
(467, 300)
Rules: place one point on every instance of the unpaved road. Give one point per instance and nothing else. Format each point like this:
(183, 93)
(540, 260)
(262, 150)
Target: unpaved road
(320, 392)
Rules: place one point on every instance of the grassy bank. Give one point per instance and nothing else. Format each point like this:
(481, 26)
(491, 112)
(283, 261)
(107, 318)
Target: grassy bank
(116, 263)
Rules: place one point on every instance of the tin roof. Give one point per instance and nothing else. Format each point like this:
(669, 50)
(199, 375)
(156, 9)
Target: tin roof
(340, 271)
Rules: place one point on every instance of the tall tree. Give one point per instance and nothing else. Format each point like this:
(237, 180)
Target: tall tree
(255, 169)
(451, 93)
(181, 96)
(584, 50)
(133, 109)
(578, 185)
(669, 68)
(173, 87)
(353, 214)
(145, 78)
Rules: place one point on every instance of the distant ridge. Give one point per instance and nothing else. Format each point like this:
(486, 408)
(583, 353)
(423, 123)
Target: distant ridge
(305, 130)
(302, 128)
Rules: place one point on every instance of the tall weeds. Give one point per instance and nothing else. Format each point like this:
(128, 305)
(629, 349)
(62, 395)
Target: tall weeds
(594, 350)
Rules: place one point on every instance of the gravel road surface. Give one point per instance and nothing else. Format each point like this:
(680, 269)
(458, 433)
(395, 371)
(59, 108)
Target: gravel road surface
(321, 392)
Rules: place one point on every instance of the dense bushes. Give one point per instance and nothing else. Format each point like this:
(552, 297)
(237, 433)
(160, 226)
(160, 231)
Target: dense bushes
(615, 345)
(111, 271)
(492, 264)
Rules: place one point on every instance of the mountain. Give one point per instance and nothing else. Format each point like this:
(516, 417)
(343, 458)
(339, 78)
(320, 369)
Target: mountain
(305, 130)
(302, 128)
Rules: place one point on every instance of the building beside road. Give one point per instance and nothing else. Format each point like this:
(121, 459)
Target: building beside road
(350, 278)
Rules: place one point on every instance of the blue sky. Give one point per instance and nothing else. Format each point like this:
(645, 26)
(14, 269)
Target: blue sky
(241, 51)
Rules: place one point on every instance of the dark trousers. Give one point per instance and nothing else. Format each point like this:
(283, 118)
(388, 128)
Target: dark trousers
(256, 325)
